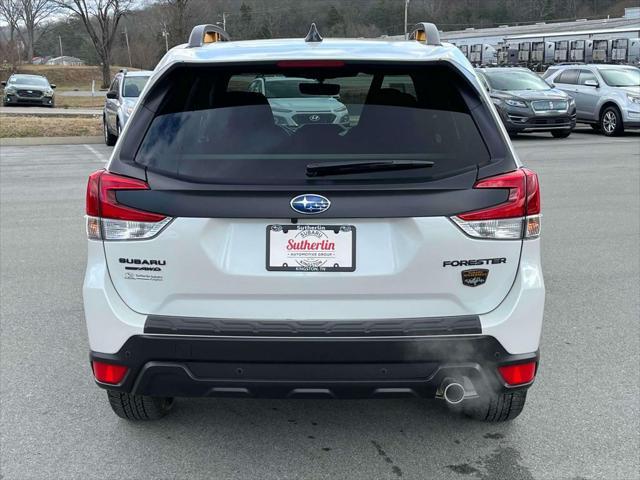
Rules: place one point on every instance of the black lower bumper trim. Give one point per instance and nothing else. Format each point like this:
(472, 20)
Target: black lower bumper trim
(300, 367)
(458, 325)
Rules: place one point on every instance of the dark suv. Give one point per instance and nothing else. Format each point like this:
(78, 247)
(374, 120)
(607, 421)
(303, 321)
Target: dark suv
(527, 104)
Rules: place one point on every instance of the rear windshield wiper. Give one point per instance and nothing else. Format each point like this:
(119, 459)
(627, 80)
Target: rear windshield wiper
(344, 168)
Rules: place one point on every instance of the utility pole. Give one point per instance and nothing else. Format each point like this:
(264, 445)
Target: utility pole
(60, 40)
(165, 34)
(406, 9)
(126, 38)
(224, 21)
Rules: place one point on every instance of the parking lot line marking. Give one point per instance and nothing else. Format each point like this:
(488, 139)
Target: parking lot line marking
(99, 155)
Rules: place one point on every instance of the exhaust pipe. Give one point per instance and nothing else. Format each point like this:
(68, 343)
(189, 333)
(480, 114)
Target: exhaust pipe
(452, 392)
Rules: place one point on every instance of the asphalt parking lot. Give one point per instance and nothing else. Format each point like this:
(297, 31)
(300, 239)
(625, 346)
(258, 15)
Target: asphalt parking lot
(582, 419)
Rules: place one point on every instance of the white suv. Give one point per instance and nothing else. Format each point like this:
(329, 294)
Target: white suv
(294, 109)
(229, 256)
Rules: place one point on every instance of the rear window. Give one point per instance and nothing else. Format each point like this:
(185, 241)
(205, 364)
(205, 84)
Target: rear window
(260, 126)
(133, 86)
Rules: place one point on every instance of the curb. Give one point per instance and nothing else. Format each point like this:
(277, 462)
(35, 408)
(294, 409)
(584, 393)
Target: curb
(24, 141)
(53, 114)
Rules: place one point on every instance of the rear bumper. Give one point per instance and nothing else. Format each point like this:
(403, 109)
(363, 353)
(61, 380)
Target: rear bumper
(191, 366)
(515, 323)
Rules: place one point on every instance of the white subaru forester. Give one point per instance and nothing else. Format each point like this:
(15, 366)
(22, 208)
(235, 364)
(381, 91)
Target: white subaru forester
(396, 255)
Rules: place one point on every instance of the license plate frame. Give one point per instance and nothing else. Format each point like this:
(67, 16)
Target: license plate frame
(312, 262)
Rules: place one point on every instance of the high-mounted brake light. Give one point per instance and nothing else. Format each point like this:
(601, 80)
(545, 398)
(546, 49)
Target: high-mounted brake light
(108, 372)
(519, 374)
(109, 220)
(310, 64)
(517, 217)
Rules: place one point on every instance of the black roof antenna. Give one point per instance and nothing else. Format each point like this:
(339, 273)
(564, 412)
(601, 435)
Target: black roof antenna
(313, 35)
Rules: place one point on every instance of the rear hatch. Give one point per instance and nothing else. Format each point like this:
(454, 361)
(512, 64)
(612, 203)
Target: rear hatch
(257, 221)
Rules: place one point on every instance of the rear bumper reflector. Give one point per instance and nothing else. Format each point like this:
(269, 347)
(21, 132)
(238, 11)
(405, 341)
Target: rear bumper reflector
(109, 373)
(518, 374)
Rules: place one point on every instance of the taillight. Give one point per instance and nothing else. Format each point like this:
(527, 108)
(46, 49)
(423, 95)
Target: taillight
(518, 374)
(109, 372)
(109, 220)
(518, 217)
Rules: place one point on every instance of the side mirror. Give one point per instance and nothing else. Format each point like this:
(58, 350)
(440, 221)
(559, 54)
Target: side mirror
(112, 95)
(4, 84)
(52, 85)
(592, 83)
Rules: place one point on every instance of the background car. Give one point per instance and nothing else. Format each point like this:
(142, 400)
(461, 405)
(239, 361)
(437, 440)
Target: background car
(291, 108)
(121, 99)
(28, 90)
(526, 103)
(607, 96)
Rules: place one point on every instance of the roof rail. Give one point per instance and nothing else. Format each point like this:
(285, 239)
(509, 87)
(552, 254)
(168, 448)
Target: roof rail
(203, 34)
(425, 32)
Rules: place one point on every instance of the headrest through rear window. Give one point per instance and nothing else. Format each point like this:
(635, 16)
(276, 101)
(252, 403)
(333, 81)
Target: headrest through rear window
(392, 97)
(131, 90)
(242, 99)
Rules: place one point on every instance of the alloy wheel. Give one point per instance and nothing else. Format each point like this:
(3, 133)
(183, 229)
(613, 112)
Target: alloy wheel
(609, 122)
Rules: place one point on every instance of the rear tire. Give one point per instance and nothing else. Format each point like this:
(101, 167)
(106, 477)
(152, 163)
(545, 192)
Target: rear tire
(561, 133)
(139, 407)
(497, 407)
(109, 139)
(611, 122)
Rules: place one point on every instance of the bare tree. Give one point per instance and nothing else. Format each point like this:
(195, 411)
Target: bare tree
(33, 13)
(100, 18)
(177, 11)
(10, 11)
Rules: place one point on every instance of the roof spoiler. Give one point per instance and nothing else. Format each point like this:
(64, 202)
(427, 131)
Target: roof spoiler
(426, 33)
(203, 34)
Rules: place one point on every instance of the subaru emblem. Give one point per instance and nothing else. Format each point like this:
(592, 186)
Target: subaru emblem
(310, 203)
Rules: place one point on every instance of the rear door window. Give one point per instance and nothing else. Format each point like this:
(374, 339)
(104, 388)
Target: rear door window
(569, 77)
(216, 126)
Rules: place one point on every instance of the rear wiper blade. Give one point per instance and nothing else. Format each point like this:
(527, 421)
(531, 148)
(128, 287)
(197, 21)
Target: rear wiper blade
(344, 168)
